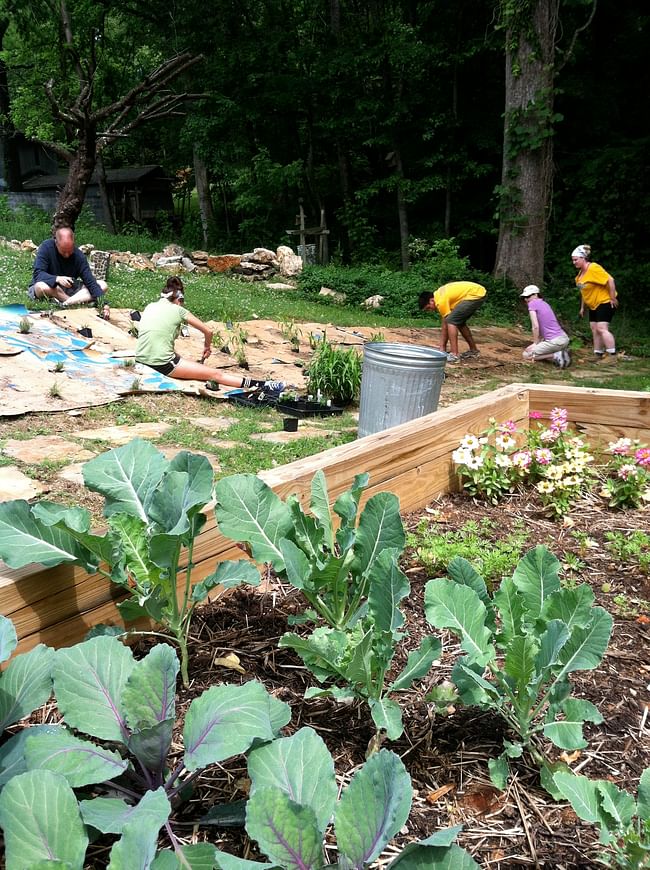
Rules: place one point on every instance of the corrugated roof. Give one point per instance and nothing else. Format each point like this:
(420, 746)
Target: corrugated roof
(127, 175)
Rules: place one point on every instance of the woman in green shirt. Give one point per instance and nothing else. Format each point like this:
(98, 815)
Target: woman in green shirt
(158, 328)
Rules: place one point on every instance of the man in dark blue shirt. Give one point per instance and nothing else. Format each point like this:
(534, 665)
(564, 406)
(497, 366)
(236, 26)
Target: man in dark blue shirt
(61, 272)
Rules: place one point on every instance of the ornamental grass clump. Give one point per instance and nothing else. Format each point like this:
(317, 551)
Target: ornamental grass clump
(627, 474)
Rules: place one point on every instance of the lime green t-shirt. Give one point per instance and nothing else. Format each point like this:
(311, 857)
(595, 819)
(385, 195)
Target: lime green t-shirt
(158, 328)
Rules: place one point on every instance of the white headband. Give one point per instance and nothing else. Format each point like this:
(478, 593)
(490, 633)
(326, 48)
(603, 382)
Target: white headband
(580, 251)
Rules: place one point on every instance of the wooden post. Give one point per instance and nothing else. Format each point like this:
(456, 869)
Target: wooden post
(303, 237)
(323, 247)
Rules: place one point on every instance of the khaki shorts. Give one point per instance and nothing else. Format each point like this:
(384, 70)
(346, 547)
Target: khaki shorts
(548, 346)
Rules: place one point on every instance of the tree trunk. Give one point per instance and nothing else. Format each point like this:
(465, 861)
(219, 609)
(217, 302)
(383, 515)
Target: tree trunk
(203, 190)
(527, 171)
(103, 192)
(80, 170)
(402, 212)
(11, 169)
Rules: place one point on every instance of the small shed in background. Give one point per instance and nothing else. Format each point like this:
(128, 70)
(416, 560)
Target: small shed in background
(136, 194)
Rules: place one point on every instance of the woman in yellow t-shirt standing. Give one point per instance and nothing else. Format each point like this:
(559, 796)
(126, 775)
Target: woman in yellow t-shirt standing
(598, 294)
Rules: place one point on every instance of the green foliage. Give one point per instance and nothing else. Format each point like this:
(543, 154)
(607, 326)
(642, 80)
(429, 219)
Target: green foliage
(631, 547)
(105, 696)
(350, 579)
(474, 541)
(335, 373)
(154, 509)
(624, 823)
(530, 636)
(294, 796)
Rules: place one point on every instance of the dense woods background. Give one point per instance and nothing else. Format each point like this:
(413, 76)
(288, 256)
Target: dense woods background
(517, 127)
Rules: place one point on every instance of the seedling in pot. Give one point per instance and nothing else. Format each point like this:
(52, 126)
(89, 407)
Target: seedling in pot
(58, 366)
(55, 391)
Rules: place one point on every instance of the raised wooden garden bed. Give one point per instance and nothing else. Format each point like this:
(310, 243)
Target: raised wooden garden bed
(58, 605)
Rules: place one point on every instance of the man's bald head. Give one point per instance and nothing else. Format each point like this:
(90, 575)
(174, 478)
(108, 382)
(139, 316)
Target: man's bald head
(64, 240)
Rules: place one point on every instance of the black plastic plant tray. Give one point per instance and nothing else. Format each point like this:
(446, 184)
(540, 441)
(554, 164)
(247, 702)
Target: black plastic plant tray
(252, 400)
(303, 408)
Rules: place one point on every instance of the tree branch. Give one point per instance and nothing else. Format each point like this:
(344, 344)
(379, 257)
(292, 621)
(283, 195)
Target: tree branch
(579, 30)
(150, 85)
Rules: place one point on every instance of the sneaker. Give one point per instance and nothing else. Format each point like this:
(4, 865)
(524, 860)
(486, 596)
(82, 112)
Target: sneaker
(470, 354)
(608, 359)
(274, 387)
(558, 359)
(566, 356)
(452, 358)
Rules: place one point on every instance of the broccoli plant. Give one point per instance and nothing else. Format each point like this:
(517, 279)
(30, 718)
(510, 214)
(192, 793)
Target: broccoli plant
(154, 509)
(521, 645)
(106, 765)
(350, 577)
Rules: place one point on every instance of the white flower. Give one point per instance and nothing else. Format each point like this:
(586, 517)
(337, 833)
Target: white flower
(474, 462)
(461, 456)
(470, 442)
(502, 460)
(545, 486)
(505, 442)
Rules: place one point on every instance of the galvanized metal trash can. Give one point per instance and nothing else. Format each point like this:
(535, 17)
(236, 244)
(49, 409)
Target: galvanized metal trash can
(399, 383)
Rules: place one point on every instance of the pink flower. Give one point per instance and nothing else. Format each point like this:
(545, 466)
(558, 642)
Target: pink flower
(620, 447)
(509, 427)
(626, 471)
(535, 415)
(522, 459)
(551, 434)
(642, 456)
(559, 419)
(543, 455)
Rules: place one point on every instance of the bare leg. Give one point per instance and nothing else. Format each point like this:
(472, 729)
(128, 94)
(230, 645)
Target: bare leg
(444, 337)
(83, 294)
(599, 345)
(466, 332)
(189, 371)
(605, 337)
(44, 291)
(453, 338)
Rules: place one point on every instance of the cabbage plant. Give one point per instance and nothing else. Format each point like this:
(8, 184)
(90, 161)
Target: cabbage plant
(520, 647)
(107, 767)
(154, 511)
(294, 797)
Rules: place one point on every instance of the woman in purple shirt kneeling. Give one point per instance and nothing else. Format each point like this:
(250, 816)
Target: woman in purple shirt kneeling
(550, 341)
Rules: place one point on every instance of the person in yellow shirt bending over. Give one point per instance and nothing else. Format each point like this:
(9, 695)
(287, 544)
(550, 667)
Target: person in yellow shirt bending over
(598, 294)
(455, 302)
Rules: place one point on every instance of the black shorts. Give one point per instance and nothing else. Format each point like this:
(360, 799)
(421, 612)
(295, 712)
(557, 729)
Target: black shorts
(168, 367)
(602, 314)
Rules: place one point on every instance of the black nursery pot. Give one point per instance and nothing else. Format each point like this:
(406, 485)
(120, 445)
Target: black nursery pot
(290, 424)
(86, 331)
(135, 315)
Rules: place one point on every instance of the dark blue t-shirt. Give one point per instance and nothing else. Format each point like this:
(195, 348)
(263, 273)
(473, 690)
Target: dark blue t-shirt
(49, 263)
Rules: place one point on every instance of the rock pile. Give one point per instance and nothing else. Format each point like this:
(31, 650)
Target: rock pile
(261, 264)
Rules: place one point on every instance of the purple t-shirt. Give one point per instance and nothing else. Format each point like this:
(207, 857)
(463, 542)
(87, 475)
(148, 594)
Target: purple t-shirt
(548, 325)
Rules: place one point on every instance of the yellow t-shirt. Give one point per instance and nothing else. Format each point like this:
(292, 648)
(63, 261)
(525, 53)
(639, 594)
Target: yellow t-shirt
(593, 286)
(449, 295)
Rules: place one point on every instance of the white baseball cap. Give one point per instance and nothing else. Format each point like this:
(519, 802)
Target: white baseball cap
(531, 290)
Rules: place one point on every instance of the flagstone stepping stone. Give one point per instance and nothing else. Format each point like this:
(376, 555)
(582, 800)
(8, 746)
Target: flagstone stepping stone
(213, 424)
(170, 452)
(15, 484)
(287, 437)
(72, 473)
(119, 435)
(43, 448)
(227, 445)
